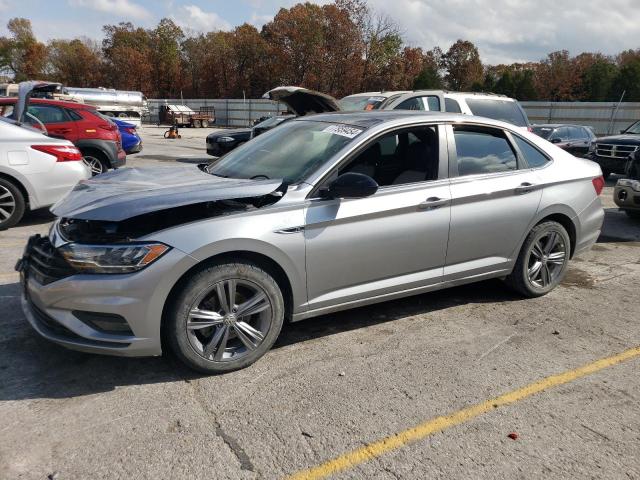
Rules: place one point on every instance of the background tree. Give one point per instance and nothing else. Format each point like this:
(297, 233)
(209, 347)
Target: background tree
(76, 62)
(20, 53)
(127, 52)
(463, 65)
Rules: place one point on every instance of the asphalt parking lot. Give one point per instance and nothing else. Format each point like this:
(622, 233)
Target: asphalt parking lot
(432, 386)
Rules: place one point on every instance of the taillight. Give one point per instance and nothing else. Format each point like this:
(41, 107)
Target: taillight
(63, 153)
(530, 129)
(108, 127)
(598, 184)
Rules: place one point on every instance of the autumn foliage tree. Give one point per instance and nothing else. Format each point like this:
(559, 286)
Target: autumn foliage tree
(339, 48)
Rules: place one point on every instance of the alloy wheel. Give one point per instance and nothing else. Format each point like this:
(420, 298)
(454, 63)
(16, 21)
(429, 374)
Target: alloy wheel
(228, 320)
(7, 204)
(94, 164)
(547, 257)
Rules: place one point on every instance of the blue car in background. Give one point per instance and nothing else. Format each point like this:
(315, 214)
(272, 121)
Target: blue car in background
(131, 141)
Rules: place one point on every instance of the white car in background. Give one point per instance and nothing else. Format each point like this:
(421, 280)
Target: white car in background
(303, 101)
(35, 170)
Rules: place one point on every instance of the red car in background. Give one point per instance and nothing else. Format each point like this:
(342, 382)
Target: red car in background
(95, 135)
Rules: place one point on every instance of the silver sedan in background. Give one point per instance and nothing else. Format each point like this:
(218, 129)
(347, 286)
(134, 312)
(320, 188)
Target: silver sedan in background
(324, 213)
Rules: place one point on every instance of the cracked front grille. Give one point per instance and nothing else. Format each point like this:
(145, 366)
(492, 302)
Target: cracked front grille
(44, 263)
(615, 151)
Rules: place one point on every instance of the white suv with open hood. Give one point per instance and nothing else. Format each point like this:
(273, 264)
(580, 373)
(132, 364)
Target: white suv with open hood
(498, 107)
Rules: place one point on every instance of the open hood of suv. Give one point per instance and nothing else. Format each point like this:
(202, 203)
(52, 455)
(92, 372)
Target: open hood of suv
(125, 193)
(303, 101)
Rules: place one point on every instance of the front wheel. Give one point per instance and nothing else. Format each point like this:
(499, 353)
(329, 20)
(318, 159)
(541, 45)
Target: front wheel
(225, 317)
(542, 261)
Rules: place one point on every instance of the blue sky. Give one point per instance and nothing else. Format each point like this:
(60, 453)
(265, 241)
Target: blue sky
(503, 30)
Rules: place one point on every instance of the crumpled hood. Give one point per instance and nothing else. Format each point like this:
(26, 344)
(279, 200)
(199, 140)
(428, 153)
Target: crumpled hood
(129, 192)
(624, 139)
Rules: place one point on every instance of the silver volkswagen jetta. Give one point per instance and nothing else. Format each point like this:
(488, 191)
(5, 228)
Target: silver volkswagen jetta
(324, 213)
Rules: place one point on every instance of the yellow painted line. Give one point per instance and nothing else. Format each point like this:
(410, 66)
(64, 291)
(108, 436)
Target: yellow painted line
(438, 424)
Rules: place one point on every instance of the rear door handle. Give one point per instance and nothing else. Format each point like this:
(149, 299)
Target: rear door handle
(525, 187)
(432, 203)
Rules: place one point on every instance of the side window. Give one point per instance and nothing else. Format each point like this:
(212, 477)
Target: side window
(452, 106)
(414, 103)
(48, 114)
(431, 103)
(561, 133)
(576, 133)
(482, 150)
(74, 115)
(531, 154)
(397, 158)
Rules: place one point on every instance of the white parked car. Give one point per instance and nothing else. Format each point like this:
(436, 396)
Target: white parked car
(35, 170)
(489, 105)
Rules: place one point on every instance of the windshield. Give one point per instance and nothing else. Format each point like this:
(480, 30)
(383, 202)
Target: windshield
(505, 110)
(361, 102)
(543, 132)
(290, 152)
(634, 129)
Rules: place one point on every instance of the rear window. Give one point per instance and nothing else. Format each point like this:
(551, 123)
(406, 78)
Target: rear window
(452, 106)
(505, 110)
(544, 132)
(361, 102)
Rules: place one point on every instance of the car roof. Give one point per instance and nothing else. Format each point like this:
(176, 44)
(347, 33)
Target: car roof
(367, 119)
(556, 125)
(47, 101)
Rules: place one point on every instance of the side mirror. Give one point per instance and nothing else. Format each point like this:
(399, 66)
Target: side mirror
(556, 140)
(351, 185)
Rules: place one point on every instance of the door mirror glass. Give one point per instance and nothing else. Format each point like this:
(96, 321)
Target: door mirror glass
(556, 140)
(351, 185)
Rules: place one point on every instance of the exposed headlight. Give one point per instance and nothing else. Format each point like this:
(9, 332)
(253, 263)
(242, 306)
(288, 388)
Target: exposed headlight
(225, 139)
(633, 184)
(592, 147)
(125, 258)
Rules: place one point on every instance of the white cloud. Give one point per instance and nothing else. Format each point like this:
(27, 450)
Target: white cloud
(4, 5)
(518, 30)
(193, 17)
(120, 8)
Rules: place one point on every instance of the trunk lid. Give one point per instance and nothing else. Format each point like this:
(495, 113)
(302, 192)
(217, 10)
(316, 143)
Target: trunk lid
(303, 101)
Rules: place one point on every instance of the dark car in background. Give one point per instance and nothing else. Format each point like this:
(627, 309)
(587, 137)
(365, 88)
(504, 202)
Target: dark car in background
(219, 143)
(131, 141)
(612, 153)
(575, 139)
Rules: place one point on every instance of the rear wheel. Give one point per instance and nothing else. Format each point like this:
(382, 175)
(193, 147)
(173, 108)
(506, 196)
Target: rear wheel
(205, 123)
(12, 204)
(542, 261)
(96, 162)
(197, 124)
(225, 317)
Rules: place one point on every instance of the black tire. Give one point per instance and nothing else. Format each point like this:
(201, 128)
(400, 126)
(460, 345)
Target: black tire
(193, 293)
(197, 124)
(205, 123)
(635, 214)
(96, 161)
(12, 204)
(519, 279)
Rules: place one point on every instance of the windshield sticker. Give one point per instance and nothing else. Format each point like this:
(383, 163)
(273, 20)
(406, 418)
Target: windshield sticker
(343, 130)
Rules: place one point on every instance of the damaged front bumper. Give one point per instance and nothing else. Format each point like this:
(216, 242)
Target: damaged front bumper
(115, 314)
(626, 194)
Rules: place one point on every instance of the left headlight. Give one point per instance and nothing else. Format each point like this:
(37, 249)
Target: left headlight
(125, 258)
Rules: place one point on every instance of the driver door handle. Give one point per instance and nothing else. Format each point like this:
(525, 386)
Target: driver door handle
(433, 202)
(525, 187)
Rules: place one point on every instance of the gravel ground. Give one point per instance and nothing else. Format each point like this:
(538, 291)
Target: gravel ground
(337, 382)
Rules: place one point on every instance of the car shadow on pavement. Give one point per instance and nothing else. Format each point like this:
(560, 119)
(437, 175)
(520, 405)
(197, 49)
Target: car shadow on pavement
(37, 217)
(618, 227)
(34, 368)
